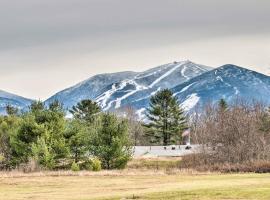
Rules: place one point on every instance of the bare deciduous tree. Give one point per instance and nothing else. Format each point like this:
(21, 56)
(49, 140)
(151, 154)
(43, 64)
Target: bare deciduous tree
(236, 135)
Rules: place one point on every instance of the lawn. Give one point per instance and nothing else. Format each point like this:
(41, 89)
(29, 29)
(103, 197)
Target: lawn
(129, 185)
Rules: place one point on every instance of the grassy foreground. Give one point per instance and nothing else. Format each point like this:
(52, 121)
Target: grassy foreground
(135, 186)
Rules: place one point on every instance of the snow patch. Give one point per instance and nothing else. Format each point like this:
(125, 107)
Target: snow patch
(69, 116)
(183, 72)
(236, 90)
(147, 75)
(140, 113)
(201, 68)
(190, 102)
(183, 89)
(153, 93)
(137, 88)
(165, 74)
(219, 78)
(102, 99)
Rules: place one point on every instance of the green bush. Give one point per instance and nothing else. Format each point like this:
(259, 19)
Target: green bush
(75, 167)
(111, 142)
(2, 158)
(96, 164)
(87, 165)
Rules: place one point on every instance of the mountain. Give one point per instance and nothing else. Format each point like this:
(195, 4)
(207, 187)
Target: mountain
(13, 100)
(193, 84)
(119, 90)
(89, 89)
(228, 82)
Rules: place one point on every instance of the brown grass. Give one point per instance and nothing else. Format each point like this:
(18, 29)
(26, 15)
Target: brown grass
(160, 163)
(159, 178)
(124, 185)
(199, 163)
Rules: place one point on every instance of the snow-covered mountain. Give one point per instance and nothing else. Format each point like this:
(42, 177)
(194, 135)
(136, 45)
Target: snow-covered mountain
(13, 100)
(193, 84)
(228, 82)
(118, 90)
(90, 88)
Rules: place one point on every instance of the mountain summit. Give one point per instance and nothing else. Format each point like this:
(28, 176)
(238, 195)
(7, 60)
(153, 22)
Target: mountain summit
(192, 83)
(228, 82)
(119, 90)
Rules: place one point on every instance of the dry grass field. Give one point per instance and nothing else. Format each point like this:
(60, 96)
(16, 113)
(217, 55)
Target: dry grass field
(130, 184)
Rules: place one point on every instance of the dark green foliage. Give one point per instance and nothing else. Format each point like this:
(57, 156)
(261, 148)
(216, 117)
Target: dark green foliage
(41, 136)
(85, 110)
(36, 106)
(8, 127)
(44, 139)
(43, 154)
(110, 142)
(27, 134)
(167, 120)
(222, 104)
(77, 139)
(12, 110)
(56, 106)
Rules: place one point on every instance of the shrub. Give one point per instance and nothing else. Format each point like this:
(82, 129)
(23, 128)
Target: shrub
(2, 158)
(75, 167)
(87, 165)
(110, 142)
(96, 164)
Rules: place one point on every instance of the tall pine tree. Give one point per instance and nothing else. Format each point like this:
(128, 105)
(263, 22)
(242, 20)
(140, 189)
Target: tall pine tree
(222, 104)
(110, 142)
(85, 110)
(167, 120)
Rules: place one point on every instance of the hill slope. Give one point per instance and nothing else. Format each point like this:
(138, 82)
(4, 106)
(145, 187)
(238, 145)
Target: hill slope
(228, 82)
(118, 90)
(13, 100)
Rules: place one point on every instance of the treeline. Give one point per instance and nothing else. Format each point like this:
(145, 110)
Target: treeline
(43, 138)
(233, 137)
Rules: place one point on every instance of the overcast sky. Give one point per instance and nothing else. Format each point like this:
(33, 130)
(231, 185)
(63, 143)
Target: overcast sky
(48, 45)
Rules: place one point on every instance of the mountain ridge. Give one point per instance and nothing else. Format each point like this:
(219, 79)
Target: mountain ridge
(192, 83)
(228, 82)
(7, 98)
(133, 86)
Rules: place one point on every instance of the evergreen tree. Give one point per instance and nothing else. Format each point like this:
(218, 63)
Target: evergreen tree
(37, 106)
(166, 118)
(27, 135)
(8, 127)
(41, 135)
(56, 106)
(222, 104)
(77, 139)
(42, 154)
(85, 110)
(11, 110)
(51, 146)
(110, 142)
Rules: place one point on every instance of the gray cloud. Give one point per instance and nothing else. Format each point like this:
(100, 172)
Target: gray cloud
(73, 39)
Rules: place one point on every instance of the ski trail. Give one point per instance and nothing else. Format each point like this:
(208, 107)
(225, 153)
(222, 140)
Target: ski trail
(165, 75)
(183, 72)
